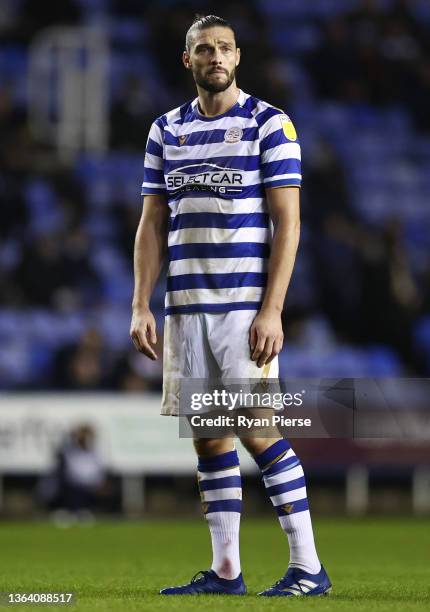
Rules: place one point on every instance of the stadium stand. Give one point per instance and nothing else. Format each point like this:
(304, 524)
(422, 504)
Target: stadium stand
(354, 76)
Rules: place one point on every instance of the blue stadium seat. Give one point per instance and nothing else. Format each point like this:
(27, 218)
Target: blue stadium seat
(422, 337)
(342, 361)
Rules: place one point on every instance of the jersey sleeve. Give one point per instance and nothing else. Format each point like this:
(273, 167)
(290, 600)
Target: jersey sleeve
(279, 150)
(153, 175)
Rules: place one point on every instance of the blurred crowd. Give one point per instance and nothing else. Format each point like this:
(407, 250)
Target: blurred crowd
(354, 76)
(378, 53)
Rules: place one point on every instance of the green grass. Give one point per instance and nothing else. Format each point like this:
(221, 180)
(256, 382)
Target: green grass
(375, 564)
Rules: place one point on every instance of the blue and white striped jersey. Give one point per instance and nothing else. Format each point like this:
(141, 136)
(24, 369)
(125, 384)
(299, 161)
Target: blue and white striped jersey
(214, 172)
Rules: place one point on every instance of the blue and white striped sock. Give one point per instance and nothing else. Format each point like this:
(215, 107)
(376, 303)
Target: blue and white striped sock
(221, 494)
(285, 484)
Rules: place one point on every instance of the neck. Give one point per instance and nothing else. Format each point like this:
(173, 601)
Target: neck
(213, 104)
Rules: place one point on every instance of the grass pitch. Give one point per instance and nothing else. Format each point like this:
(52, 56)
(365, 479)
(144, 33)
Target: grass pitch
(374, 564)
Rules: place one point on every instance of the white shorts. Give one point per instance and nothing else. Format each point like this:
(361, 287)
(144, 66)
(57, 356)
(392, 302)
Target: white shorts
(208, 346)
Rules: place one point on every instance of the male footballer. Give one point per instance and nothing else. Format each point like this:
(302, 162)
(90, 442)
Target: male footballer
(218, 170)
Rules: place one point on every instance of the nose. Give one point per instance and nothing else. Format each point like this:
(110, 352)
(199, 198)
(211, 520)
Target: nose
(216, 56)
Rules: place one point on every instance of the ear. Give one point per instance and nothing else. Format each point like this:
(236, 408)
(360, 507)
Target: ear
(237, 56)
(186, 60)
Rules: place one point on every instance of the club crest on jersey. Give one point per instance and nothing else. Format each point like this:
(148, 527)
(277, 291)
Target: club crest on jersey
(288, 127)
(182, 139)
(233, 134)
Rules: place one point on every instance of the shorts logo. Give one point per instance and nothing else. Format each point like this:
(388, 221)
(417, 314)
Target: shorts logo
(288, 127)
(182, 139)
(233, 134)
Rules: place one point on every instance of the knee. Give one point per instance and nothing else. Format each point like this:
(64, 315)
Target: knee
(256, 446)
(210, 447)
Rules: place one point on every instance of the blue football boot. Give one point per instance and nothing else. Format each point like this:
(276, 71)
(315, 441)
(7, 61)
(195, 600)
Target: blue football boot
(297, 582)
(208, 583)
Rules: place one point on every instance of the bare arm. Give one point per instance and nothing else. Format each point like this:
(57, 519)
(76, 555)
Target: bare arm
(266, 336)
(149, 252)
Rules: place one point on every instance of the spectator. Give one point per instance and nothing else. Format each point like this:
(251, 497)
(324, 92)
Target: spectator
(78, 485)
(85, 365)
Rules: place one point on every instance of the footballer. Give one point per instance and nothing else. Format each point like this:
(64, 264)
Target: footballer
(219, 171)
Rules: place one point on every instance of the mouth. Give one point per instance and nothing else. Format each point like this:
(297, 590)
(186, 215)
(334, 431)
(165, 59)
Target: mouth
(217, 71)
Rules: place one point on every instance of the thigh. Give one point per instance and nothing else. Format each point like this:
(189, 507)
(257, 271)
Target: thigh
(228, 336)
(186, 355)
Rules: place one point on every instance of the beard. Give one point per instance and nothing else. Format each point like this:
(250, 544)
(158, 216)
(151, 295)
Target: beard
(214, 86)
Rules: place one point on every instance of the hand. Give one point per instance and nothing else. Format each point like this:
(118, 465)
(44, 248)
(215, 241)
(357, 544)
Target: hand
(266, 336)
(143, 332)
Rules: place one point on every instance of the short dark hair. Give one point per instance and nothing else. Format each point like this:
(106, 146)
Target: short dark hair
(203, 22)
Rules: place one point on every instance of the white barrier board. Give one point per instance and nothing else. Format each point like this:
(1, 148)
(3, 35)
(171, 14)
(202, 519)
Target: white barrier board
(132, 437)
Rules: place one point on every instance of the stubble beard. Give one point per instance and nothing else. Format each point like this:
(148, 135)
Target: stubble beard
(213, 86)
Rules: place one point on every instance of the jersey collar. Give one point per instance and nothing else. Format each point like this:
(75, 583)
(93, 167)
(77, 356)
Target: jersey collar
(240, 102)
